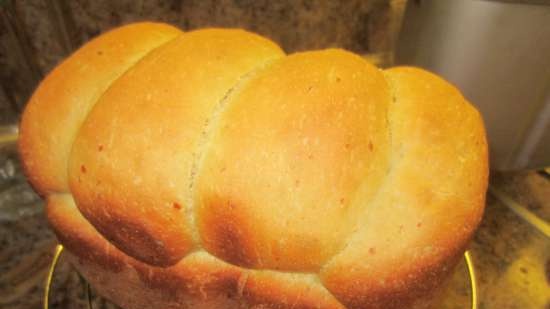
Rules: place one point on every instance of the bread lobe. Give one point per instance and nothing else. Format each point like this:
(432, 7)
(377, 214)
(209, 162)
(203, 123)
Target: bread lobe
(64, 98)
(314, 115)
(157, 112)
(425, 213)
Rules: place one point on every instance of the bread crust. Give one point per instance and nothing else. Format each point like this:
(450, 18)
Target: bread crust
(197, 281)
(313, 109)
(207, 169)
(140, 202)
(64, 98)
(425, 213)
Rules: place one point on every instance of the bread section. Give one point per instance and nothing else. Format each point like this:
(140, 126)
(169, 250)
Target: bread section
(207, 169)
(157, 111)
(64, 98)
(280, 185)
(429, 203)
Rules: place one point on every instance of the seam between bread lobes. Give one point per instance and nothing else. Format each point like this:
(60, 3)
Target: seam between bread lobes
(206, 136)
(429, 253)
(137, 193)
(338, 272)
(283, 63)
(387, 178)
(253, 258)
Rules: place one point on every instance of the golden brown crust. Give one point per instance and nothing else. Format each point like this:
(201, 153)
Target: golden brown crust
(197, 281)
(415, 231)
(61, 102)
(214, 172)
(157, 111)
(78, 236)
(272, 289)
(310, 110)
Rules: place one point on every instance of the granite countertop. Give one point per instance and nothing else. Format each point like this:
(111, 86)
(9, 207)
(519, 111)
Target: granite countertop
(511, 258)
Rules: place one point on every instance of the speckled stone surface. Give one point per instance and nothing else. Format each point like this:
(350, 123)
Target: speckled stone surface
(513, 257)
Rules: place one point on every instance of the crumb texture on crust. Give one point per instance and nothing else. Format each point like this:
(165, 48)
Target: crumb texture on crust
(199, 280)
(207, 169)
(156, 112)
(64, 98)
(317, 113)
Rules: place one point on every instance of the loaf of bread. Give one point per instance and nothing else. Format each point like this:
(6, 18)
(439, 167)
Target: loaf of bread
(207, 169)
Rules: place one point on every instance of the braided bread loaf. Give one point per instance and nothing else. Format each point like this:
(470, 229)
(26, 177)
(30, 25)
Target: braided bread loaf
(208, 170)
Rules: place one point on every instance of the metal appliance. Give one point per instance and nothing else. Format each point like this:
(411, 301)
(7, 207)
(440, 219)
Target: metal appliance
(498, 54)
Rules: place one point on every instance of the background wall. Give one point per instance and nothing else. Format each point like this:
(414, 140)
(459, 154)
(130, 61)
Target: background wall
(35, 35)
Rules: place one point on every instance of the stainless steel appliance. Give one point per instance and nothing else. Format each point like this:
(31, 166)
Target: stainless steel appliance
(498, 54)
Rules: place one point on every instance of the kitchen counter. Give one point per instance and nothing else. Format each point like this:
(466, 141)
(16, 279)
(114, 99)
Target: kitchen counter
(512, 259)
